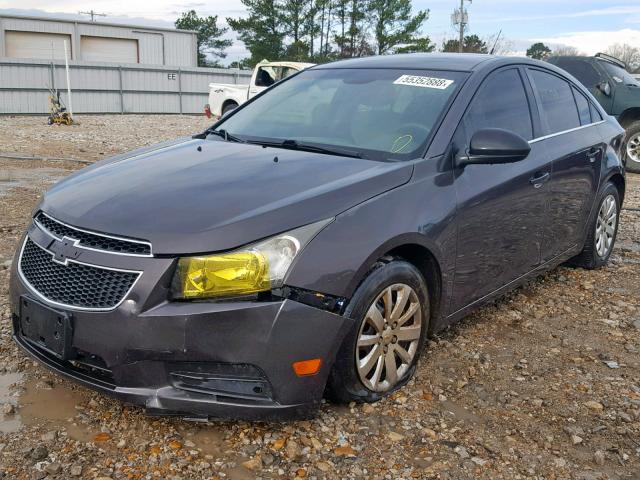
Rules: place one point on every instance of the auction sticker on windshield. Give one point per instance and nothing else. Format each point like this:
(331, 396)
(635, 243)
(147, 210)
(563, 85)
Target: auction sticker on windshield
(425, 82)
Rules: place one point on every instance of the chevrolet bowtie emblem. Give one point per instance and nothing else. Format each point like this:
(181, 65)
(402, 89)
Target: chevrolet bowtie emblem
(65, 250)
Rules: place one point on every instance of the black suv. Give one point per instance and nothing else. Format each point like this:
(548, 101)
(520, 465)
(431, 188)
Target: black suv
(617, 91)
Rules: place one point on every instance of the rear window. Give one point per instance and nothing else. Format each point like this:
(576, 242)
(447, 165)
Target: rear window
(583, 107)
(583, 71)
(558, 106)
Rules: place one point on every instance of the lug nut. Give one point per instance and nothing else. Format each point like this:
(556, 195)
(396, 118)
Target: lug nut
(385, 349)
(395, 324)
(395, 339)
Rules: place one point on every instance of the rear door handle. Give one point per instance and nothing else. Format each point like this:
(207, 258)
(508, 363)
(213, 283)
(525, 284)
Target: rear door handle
(539, 179)
(593, 153)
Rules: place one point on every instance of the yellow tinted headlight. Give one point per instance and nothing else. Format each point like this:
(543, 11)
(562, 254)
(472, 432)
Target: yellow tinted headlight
(258, 267)
(242, 273)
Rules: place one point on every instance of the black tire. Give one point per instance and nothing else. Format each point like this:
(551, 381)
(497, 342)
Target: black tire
(229, 107)
(344, 384)
(632, 132)
(589, 257)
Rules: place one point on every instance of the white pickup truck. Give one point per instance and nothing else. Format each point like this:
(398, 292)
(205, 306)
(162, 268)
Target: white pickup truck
(224, 97)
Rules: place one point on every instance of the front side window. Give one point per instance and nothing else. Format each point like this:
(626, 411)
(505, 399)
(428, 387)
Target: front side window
(501, 102)
(619, 75)
(382, 114)
(557, 107)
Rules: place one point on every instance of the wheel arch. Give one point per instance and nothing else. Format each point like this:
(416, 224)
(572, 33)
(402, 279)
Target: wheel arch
(228, 102)
(629, 116)
(421, 256)
(618, 180)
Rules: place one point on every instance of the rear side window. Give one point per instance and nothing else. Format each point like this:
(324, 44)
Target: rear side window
(501, 102)
(595, 113)
(583, 107)
(583, 71)
(558, 107)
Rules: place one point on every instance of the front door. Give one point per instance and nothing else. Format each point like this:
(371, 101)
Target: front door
(501, 207)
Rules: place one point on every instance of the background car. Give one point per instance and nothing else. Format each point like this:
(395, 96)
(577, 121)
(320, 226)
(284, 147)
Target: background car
(617, 90)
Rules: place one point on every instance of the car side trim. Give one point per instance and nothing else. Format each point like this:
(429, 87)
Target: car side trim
(539, 139)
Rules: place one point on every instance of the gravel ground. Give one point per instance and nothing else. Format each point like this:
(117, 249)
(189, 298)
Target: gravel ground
(543, 384)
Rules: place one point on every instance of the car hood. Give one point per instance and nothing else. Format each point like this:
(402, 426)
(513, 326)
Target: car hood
(196, 196)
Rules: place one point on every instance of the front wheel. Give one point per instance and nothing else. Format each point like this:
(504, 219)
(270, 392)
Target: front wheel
(603, 230)
(391, 319)
(631, 147)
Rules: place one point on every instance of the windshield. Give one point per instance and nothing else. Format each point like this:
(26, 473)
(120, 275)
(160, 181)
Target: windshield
(620, 75)
(380, 114)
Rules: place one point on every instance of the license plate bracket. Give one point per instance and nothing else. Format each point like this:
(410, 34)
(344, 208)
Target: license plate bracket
(49, 329)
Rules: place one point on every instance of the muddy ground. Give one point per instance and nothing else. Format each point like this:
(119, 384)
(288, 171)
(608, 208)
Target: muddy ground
(544, 384)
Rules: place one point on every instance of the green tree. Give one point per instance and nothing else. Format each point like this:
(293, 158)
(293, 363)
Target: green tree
(394, 23)
(263, 31)
(209, 36)
(295, 20)
(539, 51)
(471, 44)
(418, 45)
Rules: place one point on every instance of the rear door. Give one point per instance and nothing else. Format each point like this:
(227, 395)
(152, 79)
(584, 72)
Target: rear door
(501, 207)
(572, 140)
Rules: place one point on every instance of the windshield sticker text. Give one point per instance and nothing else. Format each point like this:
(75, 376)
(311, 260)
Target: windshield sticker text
(425, 82)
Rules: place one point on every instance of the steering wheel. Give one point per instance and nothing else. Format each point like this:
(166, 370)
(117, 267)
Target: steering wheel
(406, 135)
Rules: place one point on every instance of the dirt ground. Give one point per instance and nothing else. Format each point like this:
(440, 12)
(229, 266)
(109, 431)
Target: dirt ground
(545, 384)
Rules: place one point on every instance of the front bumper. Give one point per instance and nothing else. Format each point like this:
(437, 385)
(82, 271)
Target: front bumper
(209, 359)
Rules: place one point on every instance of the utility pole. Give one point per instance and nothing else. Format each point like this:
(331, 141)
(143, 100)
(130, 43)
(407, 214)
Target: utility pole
(93, 14)
(460, 18)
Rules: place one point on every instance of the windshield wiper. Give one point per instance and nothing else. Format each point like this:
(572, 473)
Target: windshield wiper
(307, 147)
(226, 135)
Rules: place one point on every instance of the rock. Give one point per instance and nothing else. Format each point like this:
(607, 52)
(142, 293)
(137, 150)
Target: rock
(430, 433)
(395, 437)
(479, 461)
(53, 468)
(323, 466)
(76, 470)
(537, 402)
(576, 440)
(39, 453)
(368, 408)
(593, 405)
(625, 417)
(253, 464)
(611, 364)
(8, 409)
(345, 451)
(292, 451)
(598, 457)
(461, 451)
(636, 324)
(121, 443)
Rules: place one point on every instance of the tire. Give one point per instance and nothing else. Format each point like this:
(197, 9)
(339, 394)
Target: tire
(229, 107)
(631, 148)
(403, 280)
(591, 256)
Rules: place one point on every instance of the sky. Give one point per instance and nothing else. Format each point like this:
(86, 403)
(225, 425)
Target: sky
(589, 25)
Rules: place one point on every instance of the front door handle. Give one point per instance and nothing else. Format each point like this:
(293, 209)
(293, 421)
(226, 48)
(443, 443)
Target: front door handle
(539, 179)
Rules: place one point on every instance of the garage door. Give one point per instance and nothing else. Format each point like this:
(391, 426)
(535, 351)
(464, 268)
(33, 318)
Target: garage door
(106, 49)
(43, 46)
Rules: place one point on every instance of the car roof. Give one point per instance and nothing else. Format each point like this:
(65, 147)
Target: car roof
(466, 62)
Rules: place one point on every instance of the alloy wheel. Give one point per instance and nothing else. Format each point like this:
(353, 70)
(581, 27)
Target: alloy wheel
(389, 337)
(633, 148)
(606, 226)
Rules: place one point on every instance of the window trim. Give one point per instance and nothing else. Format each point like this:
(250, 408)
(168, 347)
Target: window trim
(551, 135)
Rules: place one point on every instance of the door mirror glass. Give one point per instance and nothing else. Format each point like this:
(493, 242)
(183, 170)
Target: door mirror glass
(494, 145)
(605, 88)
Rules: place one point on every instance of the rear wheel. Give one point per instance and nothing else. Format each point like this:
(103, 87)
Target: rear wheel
(631, 147)
(391, 318)
(602, 231)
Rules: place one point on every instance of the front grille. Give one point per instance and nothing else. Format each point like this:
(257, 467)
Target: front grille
(93, 240)
(74, 284)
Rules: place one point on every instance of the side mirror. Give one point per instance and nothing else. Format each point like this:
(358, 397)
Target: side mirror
(494, 145)
(605, 88)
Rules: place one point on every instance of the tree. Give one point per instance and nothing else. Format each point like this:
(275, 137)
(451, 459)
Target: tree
(418, 45)
(208, 37)
(539, 51)
(295, 20)
(263, 31)
(566, 51)
(471, 44)
(627, 53)
(394, 24)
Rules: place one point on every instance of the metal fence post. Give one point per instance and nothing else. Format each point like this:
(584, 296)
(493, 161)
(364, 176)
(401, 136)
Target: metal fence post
(180, 88)
(121, 93)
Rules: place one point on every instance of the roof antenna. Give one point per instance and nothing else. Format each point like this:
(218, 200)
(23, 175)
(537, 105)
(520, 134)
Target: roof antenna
(495, 44)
